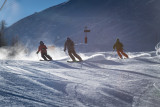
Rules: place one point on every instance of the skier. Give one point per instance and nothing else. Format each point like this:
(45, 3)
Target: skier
(69, 44)
(119, 47)
(43, 50)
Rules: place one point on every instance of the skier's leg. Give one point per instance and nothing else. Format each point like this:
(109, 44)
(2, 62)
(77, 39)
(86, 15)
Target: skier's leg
(76, 55)
(70, 54)
(43, 56)
(118, 52)
(124, 54)
(49, 57)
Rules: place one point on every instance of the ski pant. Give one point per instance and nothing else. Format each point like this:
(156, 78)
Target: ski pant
(119, 52)
(73, 54)
(45, 56)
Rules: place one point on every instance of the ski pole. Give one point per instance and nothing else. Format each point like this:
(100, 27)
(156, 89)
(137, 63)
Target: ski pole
(125, 50)
(38, 57)
(66, 52)
(113, 53)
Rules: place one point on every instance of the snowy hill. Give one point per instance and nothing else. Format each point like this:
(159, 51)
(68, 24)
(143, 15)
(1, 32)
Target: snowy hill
(135, 22)
(101, 80)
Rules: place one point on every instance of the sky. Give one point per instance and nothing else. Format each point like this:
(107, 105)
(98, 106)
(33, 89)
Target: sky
(15, 10)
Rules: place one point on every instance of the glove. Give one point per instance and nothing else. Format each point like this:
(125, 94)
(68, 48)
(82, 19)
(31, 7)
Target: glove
(64, 50)
(36, 52)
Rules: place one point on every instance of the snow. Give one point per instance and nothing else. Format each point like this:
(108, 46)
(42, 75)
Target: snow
(101, 80)
(157, 47)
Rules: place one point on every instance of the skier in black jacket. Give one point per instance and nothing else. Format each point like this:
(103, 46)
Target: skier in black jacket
(69, 45)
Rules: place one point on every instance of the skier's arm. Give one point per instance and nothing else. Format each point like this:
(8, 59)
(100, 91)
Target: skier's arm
(73, 43)
(45, 47)
(38, 49)
(121, 45)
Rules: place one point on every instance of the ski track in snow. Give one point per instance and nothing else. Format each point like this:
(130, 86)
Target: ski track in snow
(102, 80)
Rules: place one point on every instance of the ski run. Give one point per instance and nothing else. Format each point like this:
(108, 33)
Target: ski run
(101, 80)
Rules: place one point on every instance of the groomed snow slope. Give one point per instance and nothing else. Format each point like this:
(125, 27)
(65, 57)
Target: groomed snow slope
(102, 80)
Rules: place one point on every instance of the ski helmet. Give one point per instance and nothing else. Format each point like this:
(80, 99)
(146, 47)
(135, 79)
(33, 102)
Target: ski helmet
(117, 39)
(68, 38)
(41, 42)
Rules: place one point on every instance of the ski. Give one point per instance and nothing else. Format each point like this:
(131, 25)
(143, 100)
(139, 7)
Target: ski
(73, 61)
(45, 60)
(123, 58)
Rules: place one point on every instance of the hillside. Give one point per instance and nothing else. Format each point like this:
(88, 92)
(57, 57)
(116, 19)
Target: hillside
(101, 80)
(135, 22)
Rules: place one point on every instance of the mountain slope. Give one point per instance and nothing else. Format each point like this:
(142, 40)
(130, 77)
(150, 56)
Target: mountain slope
(100, 81)
(135, 22)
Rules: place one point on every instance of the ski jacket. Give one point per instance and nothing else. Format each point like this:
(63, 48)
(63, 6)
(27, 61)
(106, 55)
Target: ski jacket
(69, 44)
(42, 48)
(118, 46)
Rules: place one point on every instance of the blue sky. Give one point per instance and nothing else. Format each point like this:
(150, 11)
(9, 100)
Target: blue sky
(15, 10)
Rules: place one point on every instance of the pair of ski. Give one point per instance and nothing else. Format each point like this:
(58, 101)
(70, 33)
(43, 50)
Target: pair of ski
(67, 61)
(45, 60)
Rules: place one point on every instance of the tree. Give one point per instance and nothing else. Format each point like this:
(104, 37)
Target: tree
(2, 33)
